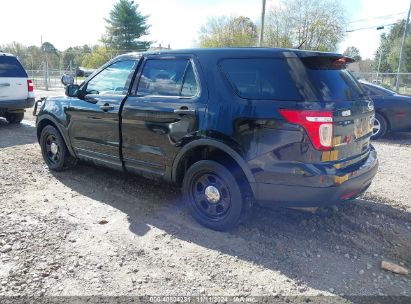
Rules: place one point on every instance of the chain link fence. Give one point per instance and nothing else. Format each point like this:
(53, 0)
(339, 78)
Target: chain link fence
(51, 79)
(388, 80)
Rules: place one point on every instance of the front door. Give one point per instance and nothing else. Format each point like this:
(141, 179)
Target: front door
(94, 117)
(162, 110)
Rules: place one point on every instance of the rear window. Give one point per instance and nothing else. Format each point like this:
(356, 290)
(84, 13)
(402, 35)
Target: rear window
(11, 67)
(292, 79)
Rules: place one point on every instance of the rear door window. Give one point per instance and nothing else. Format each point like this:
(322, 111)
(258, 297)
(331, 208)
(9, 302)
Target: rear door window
(11, 67)
(168, 77)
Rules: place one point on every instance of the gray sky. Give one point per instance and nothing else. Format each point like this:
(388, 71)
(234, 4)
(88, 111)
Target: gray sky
(174, 22)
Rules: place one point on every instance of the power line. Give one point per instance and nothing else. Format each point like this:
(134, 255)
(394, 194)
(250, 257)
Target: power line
(377, 27)
(377, 17)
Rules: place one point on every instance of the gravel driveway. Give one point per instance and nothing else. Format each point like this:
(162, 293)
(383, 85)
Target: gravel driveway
(91, 231)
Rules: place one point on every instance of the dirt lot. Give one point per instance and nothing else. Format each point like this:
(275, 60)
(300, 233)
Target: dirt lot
(91, 231)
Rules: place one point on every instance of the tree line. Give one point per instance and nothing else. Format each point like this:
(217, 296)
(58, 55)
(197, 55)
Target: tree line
(125, 26)
(306, 24)
(389, 50)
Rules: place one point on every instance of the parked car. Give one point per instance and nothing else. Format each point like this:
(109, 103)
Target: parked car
(84, 72)
(234, 126)
(16, 90)
(392, 110)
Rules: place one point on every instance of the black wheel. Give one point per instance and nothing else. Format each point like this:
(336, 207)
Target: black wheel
(213, 195)
(14, 118)
(380, 127)
(54, 150)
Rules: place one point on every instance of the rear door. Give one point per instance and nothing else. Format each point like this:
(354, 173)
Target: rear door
(13, 79)
(162, 110)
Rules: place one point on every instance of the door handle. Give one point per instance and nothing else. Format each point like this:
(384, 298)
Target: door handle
(106, 107)
(184, 111)
(4, 84)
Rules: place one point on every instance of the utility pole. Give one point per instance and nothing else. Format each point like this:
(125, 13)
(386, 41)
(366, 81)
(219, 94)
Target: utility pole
(260, 43)
(397, 84)
(379, 65)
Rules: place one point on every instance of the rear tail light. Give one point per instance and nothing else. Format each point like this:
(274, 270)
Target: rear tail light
(30, 85)
(317, 124)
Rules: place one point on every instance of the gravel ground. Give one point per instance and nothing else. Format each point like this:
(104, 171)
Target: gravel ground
(91, 231)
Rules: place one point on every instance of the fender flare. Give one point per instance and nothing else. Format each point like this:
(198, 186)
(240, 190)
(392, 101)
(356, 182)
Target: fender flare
(219, 145)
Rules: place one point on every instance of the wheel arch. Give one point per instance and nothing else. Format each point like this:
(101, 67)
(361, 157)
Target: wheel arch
(214, 150)
(50, 121)
(384, 115)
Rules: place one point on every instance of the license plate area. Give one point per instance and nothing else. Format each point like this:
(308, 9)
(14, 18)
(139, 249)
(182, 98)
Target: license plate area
(363, 126)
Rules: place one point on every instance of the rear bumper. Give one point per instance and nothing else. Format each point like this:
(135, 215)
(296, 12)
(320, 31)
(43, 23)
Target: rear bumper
(346, 187)
(17, 104)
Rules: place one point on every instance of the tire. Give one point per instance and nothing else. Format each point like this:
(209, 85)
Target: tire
(14, 118)
(380, 126)
(213, 195)
(54, 150)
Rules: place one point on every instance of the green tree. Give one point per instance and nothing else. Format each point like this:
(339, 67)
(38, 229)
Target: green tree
(228, 32)
(125, 26)
(389, 50)
(34, 59)
(51, 55)
(99, 56)
(308, 24)
(353, 52)
(74, 56)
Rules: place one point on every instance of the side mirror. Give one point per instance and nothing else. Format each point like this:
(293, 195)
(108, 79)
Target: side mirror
(72, 90)
(67, 79)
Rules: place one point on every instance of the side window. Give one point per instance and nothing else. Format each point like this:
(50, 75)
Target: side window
(369, 91)
(190, 87)
(168, 77)
(111, 80)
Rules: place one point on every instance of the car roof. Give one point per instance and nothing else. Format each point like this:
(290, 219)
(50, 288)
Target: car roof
(238, 51)
(364, 82)
(6, 54)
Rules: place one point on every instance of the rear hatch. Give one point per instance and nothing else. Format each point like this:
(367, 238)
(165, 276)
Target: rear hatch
(315, 91)
(352, 111)
(13, 79)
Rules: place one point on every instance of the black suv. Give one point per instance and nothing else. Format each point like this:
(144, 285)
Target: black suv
(231, 126)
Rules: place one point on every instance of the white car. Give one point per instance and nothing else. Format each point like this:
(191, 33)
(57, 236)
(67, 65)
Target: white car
(16, 89)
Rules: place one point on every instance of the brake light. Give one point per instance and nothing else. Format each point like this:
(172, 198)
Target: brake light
(317, 124)
(30, 85)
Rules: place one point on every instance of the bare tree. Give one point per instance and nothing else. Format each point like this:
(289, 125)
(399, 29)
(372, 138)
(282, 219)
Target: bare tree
(353, 52)
(228, 32)
(310, 24)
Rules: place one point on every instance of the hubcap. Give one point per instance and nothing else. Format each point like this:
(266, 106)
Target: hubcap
(377, 127)
(54, 148)
(212, 194)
